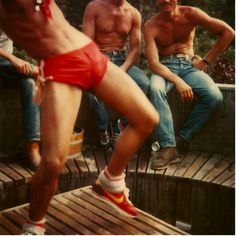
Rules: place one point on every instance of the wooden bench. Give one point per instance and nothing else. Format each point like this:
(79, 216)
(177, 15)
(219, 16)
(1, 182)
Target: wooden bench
(214, 137)
(78, 212)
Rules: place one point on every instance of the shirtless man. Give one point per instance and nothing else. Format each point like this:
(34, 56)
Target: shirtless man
(70, 62)
(169, 39)
(113, 25)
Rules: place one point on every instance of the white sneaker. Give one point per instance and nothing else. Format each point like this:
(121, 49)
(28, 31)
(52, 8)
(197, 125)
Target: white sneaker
(104, 138)
(33, 229)
(155, 146)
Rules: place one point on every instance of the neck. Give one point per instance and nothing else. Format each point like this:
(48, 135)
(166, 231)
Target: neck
(170, 15)
(117, 3)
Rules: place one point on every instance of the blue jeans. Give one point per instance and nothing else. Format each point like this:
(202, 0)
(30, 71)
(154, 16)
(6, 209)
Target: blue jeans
(202, 85)
(134, 72)
(30, 112)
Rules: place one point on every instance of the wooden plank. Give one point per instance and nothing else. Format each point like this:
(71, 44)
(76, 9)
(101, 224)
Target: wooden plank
(160, 172)
(143, 161)
(101, 158)
(21, 171)
(93, 214)
(1, 185)
(80, 229)
(74, 171)
(170, 171)
(134, 222)
(208, 166)
(6, 180)
(90, 161)
(118, 224)
(132, 164)
(229, 182)
(218, 169)
(9, 225)
(83, 168)
(196, 165)
(185, 164)
(160, 224)
(11, 173)
(62, 204)
(224, 175)
(3, 231)
(152, 157)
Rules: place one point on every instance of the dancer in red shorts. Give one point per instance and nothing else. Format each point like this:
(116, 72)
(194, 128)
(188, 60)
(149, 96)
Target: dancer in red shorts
(70, 62)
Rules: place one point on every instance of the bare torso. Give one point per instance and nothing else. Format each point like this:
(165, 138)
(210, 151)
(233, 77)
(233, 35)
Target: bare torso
(112, 25)
(174, 35)
(40, 36)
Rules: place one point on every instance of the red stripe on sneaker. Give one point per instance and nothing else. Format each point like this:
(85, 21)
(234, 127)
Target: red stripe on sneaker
(42, 225)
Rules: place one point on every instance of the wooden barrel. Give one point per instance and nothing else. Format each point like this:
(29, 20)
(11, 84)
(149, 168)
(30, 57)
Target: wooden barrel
(76, 144)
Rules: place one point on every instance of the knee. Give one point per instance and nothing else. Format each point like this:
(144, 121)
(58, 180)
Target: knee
(50, 171)
(157, 91)
(214, 98)
(51, 168)
(150, 122)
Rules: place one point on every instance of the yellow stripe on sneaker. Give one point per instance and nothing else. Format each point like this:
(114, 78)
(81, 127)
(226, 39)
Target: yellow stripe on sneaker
(117, 200)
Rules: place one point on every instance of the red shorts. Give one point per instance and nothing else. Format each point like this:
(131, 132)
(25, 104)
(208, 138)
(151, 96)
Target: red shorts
(84, 67)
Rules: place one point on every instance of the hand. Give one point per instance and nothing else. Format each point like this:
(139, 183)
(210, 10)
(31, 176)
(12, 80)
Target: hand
(185, 90)
(22, 66)
(198, 63)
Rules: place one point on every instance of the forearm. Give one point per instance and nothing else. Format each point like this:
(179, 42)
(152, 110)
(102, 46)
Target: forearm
(164, 72)
(220, 46)
(6, 55)
(130, 59)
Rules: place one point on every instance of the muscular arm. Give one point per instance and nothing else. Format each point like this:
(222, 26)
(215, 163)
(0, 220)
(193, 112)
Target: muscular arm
(134, 42)
(157, 67)
(88, 24)
(224, 32)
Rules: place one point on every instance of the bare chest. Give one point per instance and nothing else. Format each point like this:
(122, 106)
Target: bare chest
(117, 21)
(168, 34)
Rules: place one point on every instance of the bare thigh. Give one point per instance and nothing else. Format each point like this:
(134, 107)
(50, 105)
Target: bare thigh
(121, 93)
(59, 110)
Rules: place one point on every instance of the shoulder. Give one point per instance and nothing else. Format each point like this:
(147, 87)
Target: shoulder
(134, 11)
(194, 14)
(94, 5)
(135, 14)
(152, 23)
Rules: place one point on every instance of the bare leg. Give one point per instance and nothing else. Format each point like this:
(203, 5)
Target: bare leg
(118, 91)
(59, 109)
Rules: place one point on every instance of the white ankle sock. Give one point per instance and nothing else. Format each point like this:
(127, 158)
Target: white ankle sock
(112, 183)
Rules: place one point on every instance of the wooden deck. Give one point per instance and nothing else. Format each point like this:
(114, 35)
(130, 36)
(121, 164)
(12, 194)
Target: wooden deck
(201, 185)
(77, 212)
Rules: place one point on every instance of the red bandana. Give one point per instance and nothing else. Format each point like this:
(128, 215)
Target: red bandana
(46, 9)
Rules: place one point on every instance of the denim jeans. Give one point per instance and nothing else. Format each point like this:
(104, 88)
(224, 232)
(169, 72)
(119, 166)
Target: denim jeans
(202, 85)
(30, 112)
(135, 73)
